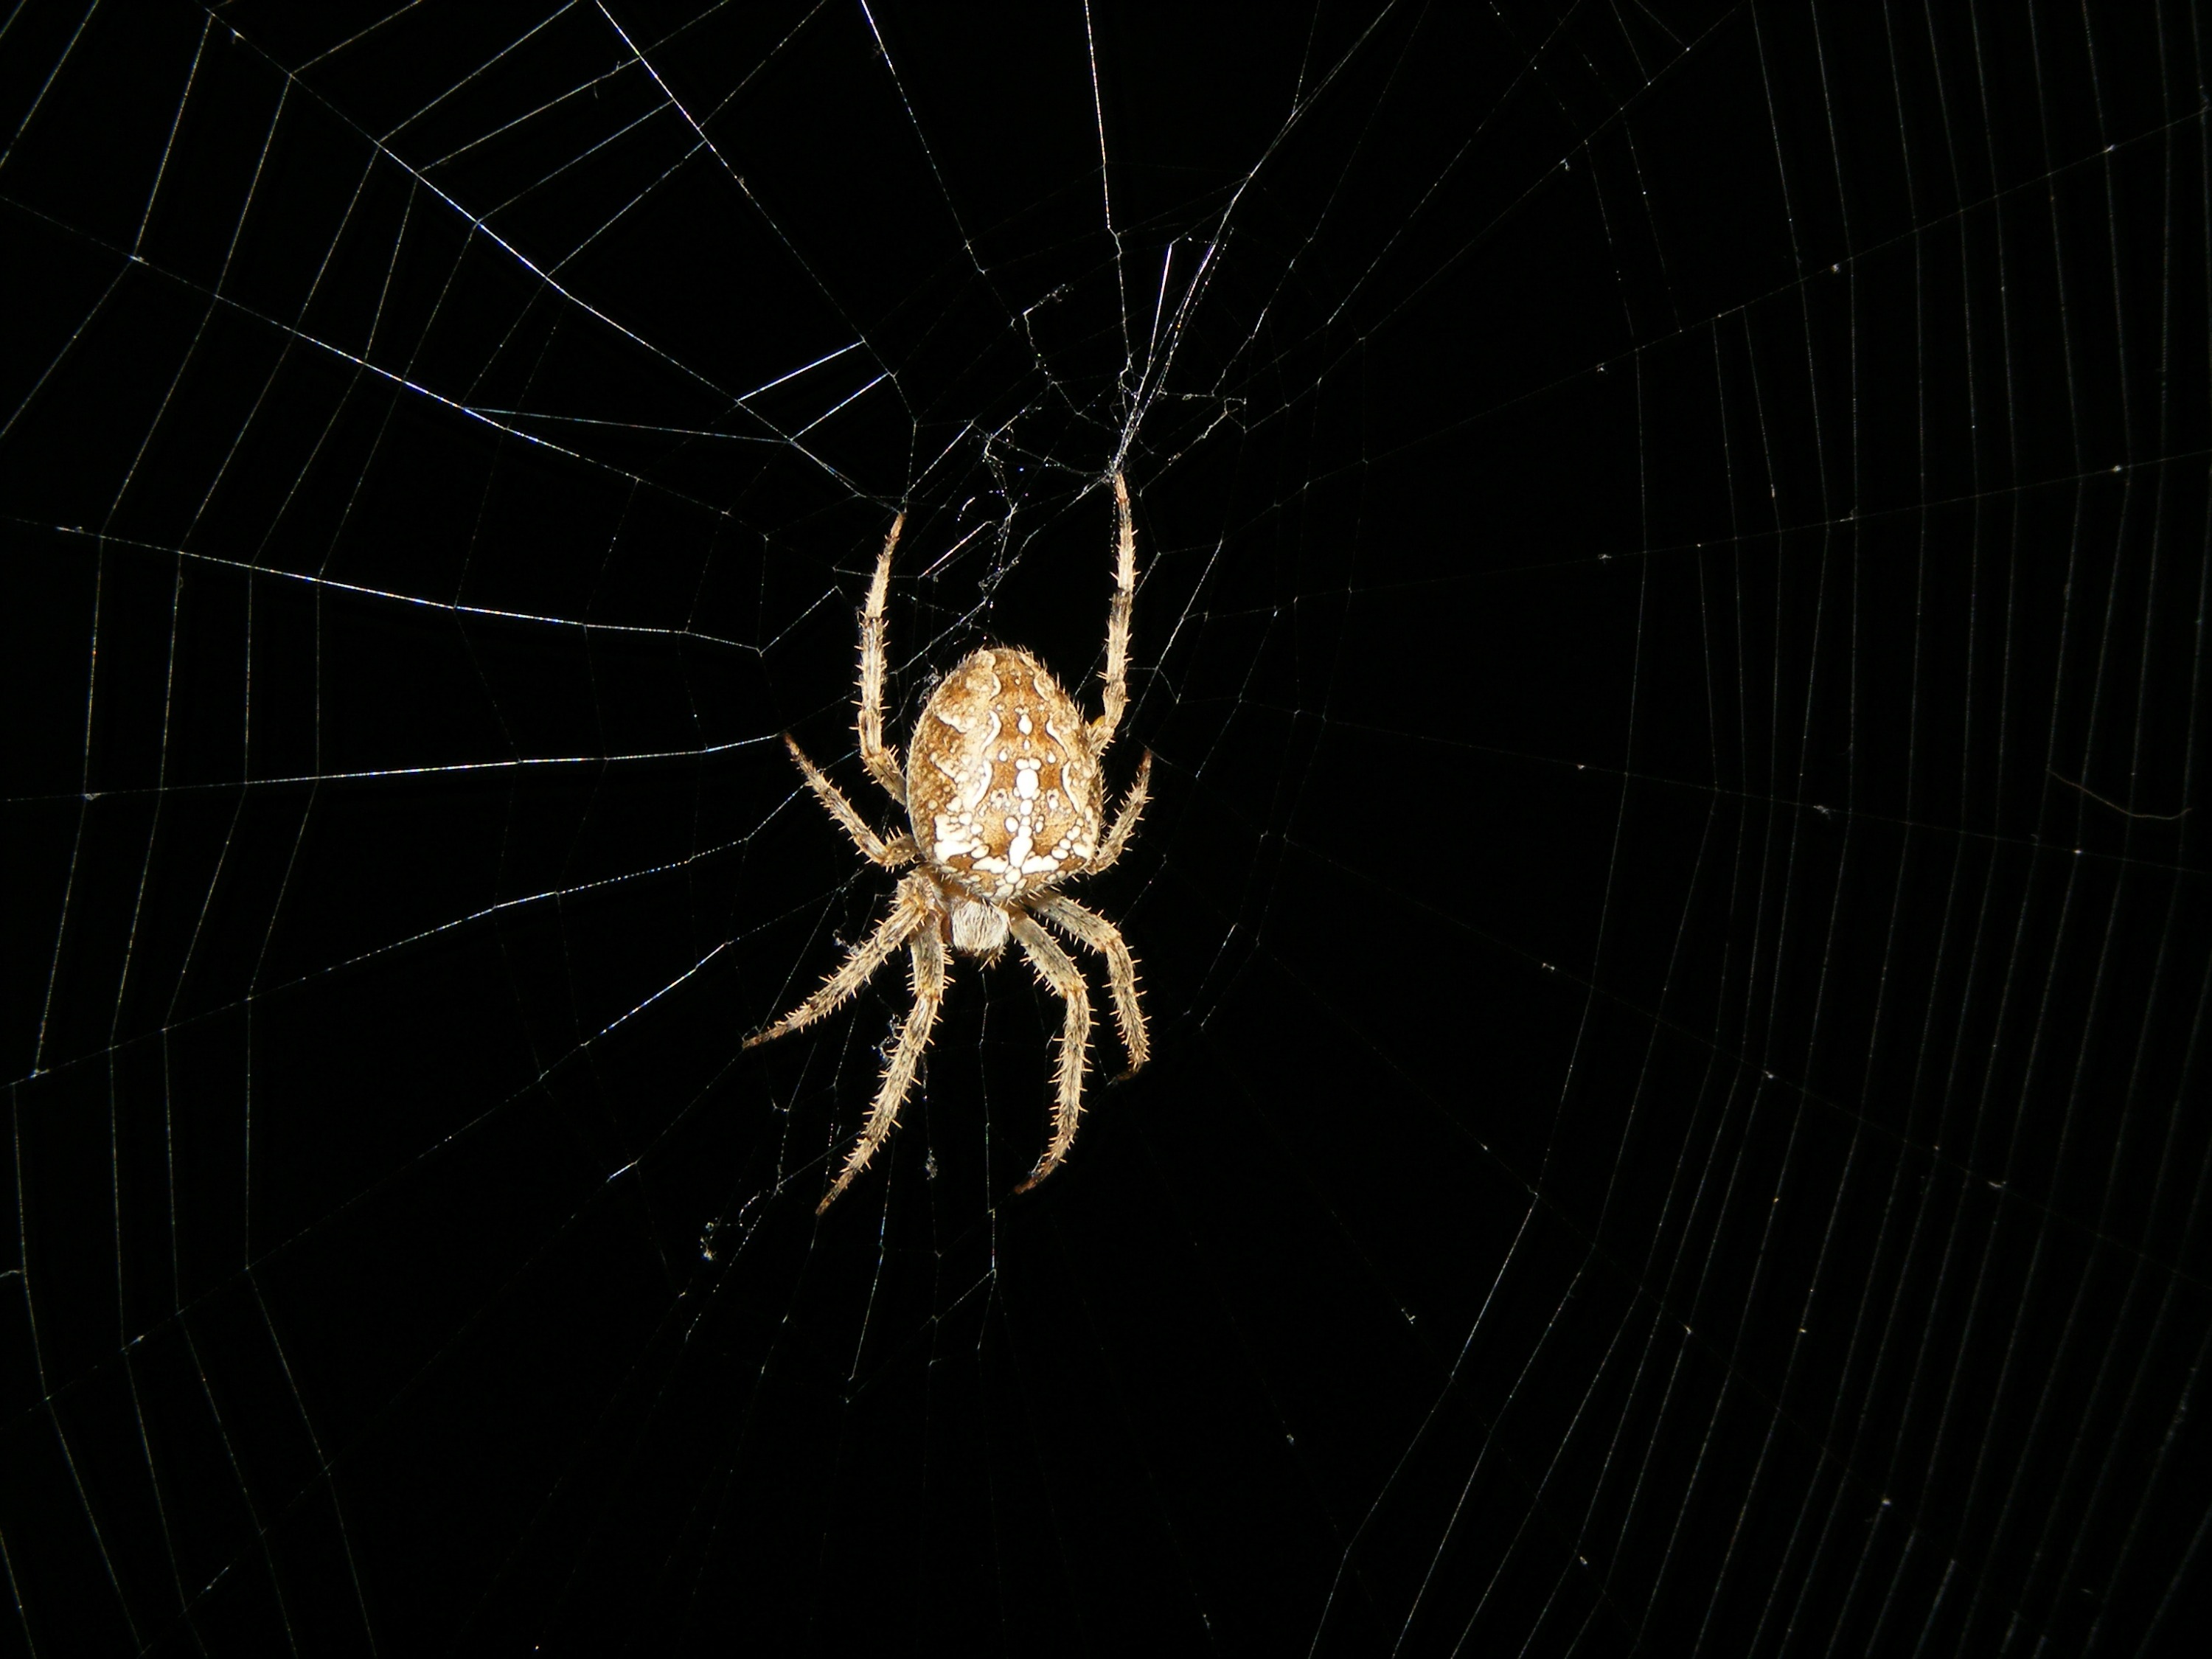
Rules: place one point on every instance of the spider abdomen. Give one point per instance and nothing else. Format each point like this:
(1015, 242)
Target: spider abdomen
(1002, 782)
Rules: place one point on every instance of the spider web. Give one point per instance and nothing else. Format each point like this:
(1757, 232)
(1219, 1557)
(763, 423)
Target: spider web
(1673, 548)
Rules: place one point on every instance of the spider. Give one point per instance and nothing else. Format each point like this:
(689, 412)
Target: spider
(1003, 791)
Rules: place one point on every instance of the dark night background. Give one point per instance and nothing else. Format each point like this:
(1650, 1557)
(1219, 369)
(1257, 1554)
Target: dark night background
(1674, 915)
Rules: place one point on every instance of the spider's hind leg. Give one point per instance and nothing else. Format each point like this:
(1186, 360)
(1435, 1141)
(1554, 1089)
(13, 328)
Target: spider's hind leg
(881, 759)
(1117, 697)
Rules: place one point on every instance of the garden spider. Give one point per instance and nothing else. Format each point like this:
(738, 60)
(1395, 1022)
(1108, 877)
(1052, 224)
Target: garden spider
(1006, 801)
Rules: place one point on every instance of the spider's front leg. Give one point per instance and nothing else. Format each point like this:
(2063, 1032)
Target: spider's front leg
(879, 757)
(916, 909)
(927, 950)
(1056, 967)
(1103, 937)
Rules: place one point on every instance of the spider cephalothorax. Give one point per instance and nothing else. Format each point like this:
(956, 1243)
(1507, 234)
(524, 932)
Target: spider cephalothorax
(1005, 799)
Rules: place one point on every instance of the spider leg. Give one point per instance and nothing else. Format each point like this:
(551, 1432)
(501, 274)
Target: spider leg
(899, 850)
(1117, 622)
(879, 757)
(928, 952)
(1089, 928)
(1124, 820)
(1054, 967)
(915, 910)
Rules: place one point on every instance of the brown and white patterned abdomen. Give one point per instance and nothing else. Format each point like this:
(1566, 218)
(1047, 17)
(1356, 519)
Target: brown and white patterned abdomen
(1002, 785)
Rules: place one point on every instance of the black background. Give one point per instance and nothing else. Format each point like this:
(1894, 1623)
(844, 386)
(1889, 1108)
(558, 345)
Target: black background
(1673, 916)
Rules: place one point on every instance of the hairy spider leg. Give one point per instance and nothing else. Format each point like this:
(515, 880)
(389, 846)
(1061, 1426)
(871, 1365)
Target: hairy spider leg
(893, 854)
(1057, 970)
(1117, 623)
(916, 908)
(879, 757)
(1125, 819)
(1087, 926)
(926, 953)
